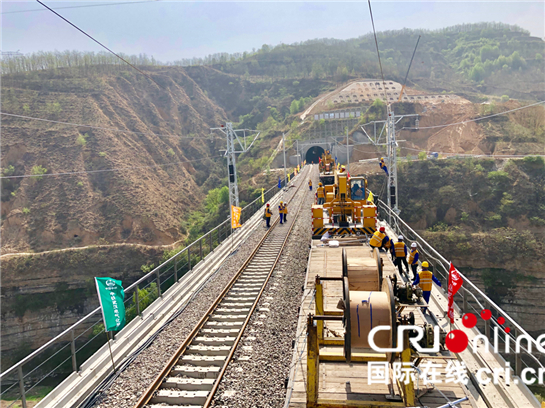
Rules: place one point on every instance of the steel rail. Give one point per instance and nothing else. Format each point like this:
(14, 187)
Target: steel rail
(254, 306)
(148, 394)
(147, 276)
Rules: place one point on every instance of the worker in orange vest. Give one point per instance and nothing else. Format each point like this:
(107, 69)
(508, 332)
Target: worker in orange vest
(320, 194)
(268, 215)
(425, 279)
(310, 185)
(380, 240)
(413, 259)
(281, 212)
(400, 252)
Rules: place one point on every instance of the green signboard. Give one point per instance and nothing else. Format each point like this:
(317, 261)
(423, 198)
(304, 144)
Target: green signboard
(111, 296)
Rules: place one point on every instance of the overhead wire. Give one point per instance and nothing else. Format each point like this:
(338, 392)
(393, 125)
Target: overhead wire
(378, 52)
(475, 119)
(107, 170)
(104, 128)
(82, 6)
(98, 42)
(471, 155)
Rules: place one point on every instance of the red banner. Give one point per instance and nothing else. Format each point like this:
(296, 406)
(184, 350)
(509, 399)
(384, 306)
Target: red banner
(454, 284)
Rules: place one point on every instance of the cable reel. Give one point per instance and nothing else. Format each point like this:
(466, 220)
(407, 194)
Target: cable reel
(366, 309)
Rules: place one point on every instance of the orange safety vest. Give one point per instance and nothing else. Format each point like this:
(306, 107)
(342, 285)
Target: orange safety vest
(268, 213)
(376, 239)
(310, 183)
(320, 192)
(400, 249)
(412, 255)
(426, 281)
(285, 209)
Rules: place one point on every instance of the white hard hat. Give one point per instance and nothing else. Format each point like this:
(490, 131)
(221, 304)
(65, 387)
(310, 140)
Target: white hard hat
(413, 245)
(400, 237)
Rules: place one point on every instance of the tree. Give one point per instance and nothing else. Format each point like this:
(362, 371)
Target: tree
(275, 114)
(539, 57)
(504, 98)
(294, 107)
(477, 73)
(422, 156)
(317, 70)
(517, 61)
(488, 52)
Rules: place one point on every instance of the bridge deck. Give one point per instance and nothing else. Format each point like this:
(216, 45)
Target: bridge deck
(340, 381)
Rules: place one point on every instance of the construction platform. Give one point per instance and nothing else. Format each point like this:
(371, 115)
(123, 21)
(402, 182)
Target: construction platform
(342, 382)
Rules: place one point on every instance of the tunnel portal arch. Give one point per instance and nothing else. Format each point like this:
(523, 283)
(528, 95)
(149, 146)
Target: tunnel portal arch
(313, 154)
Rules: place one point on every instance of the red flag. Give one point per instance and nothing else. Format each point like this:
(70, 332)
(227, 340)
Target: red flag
(454, 284)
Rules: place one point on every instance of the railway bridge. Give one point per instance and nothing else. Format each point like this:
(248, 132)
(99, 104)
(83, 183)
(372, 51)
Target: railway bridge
(268, 317)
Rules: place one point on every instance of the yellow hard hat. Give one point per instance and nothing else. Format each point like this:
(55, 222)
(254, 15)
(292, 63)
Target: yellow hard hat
(425, 264)
(281, 202)
(319, 184)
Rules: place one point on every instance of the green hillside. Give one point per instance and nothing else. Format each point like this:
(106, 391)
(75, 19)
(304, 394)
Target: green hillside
(489, 58)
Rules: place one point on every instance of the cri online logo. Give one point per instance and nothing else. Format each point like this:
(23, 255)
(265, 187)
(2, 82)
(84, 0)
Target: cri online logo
(456, 340)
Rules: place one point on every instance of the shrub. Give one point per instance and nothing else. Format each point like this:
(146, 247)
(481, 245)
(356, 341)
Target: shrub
(422, 156)
(538, 161)
(539, 222)
(464, 216)
(26, 210)
(439, 227)
(498, 177)
(171, 152)
(463, 246)
(38, 171)
(53, 108)
(8, 171)
(147, 268)
(504, 98)
(82, 139)
(80, 183)
(102, 154)
(493, 219)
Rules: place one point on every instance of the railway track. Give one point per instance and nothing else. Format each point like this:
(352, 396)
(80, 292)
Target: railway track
(192, 375)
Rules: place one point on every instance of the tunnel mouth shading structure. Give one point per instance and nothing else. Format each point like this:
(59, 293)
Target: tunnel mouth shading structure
(313, 154)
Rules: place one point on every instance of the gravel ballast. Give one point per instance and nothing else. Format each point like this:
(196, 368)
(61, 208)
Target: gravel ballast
(127, 388)
(256, 376)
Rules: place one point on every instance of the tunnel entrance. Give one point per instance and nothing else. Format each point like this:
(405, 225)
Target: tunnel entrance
(313, 154)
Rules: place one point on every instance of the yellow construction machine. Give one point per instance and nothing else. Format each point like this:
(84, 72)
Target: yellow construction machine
(346, 210)
(327, 175)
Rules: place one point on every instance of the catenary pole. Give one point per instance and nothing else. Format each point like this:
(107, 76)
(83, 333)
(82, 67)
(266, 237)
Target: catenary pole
(284, 147)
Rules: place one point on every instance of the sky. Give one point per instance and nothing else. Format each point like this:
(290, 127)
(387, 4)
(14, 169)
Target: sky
(171, 30)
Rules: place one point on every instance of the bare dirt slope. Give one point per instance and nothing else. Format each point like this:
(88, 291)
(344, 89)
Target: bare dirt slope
(160, 169)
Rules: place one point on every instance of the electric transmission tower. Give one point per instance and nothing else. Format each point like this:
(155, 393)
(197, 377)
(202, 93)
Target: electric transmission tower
(391, 145)
(237, 142)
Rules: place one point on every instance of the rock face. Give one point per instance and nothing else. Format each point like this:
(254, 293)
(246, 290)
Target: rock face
(42, 294)
(506, 265)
